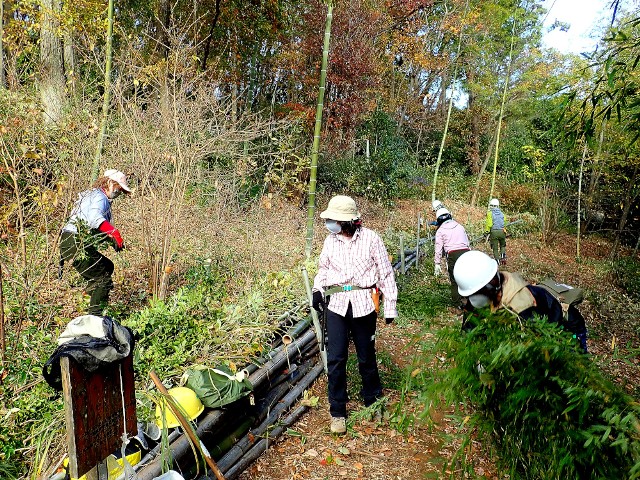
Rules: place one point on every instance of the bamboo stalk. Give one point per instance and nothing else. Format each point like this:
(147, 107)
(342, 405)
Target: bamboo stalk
(107, 93)
(504, 99)
(316, 133)
(314, 316)
(186, 426)
(584, 155)
(3, 341)
(446, 125)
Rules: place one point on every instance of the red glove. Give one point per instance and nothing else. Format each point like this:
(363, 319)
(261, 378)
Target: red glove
(110, 230)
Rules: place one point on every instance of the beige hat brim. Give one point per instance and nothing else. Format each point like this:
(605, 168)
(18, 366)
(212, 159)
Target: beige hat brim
(125, 187)
(338, 216)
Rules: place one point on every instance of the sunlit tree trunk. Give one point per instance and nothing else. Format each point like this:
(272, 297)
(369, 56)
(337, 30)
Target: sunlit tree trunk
(52, 81)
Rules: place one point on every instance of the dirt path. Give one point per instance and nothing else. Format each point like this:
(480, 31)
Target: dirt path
(370, 449)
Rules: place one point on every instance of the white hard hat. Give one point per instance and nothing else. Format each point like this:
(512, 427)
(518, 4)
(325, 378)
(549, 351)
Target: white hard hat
(436, 205)
(118, 177)
(342, 209)
(494, 202)
(442, 211)
(472, 271)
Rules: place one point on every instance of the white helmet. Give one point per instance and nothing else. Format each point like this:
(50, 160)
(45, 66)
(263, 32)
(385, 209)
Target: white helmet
(436, 205)
(442, 211)
(472, 271)
(494, 202)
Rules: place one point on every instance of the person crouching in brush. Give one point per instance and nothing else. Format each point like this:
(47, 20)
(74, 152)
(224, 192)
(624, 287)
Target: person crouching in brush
(89, 228)
(353, 264)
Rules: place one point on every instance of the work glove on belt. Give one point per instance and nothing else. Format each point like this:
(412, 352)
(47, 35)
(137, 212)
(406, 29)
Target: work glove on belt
(318, 301)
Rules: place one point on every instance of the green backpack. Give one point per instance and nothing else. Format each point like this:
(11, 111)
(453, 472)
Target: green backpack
(216, 387)
(565, 294)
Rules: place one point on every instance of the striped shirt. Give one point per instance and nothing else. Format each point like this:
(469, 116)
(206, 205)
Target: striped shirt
(362, 261)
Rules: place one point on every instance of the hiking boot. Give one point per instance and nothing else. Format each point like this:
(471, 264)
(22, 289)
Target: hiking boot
(338, 425)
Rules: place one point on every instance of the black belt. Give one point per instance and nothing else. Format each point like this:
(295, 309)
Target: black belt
(456, 251)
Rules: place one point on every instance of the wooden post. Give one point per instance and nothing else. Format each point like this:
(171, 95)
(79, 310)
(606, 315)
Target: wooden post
(99, 407)
(418, 242)
(403, 268)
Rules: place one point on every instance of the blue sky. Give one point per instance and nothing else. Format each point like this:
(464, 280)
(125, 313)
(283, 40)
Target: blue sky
(586, 17)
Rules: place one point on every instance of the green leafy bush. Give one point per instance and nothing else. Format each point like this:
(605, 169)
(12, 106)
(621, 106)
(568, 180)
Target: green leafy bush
(551, 412)
(627, 274)
(377, 176)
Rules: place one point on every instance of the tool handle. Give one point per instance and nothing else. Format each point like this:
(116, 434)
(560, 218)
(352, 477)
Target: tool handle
(185, 425)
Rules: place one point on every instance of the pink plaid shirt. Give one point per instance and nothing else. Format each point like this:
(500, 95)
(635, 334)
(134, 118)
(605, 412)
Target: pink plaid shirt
(358, 261)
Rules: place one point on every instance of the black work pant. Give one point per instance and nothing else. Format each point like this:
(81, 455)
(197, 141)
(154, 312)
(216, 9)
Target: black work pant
(362, 330)
(452, 258)
(94, 267)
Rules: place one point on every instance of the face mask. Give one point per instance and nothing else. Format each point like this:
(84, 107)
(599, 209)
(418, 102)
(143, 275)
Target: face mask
(115, 194)
(333, 226)
(478, 300)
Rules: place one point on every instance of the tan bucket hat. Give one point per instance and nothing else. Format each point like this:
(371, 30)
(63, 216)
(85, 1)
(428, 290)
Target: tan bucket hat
(341, 208)
(118, 176)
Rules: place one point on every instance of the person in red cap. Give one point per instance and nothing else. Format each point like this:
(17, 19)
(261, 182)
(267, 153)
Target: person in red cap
(88, 228)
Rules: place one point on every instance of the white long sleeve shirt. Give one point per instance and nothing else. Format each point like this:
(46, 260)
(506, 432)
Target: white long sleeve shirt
(362, 261)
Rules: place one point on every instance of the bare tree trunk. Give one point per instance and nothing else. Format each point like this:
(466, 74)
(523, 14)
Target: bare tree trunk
(69, 60)
(52, 82)
(207, 43)
(163, 18)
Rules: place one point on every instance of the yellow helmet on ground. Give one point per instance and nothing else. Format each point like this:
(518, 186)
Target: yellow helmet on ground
(188, 403)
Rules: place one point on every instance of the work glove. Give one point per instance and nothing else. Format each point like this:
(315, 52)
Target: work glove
(437, 270)
(114, 233)
(318, 301)
(388, 321)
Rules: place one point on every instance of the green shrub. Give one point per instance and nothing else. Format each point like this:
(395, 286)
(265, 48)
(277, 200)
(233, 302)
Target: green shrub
(377, 176)
(627, 275)
(551, 412)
